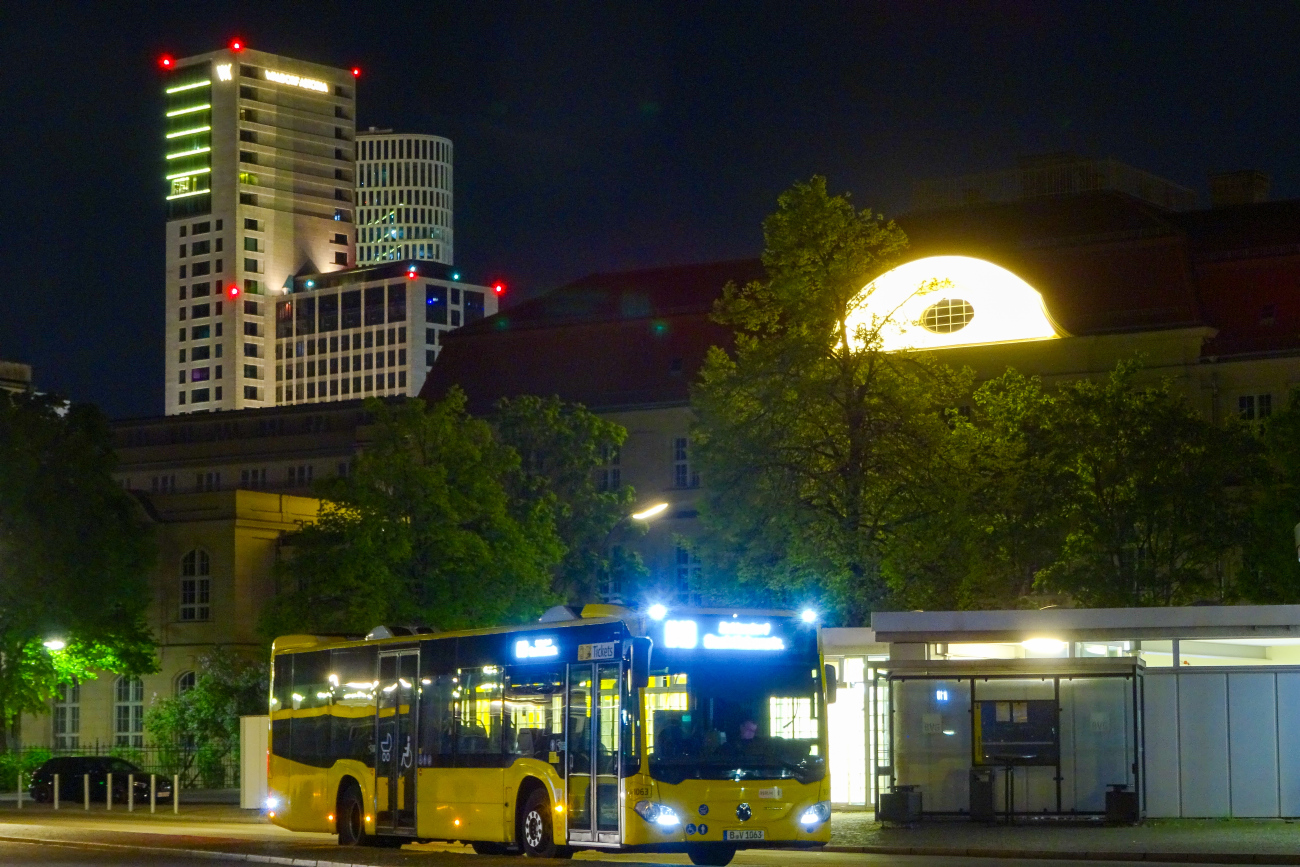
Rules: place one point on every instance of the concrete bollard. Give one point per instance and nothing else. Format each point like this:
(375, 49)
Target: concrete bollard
(176, 793)
(56, 791)
(130, 793)
(153, 793)
(108, 793)
(85, 789)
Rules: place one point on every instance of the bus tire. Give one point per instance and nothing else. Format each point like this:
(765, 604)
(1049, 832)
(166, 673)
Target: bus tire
(536, 830)
(712, 856)
(351, 825)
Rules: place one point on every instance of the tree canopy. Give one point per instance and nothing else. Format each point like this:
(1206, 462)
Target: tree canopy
(816, 445)
(75, 555)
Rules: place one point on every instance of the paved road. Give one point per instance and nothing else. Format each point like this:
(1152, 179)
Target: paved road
(72, 854)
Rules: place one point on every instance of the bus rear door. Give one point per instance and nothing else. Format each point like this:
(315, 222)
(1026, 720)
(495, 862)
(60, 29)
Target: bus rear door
(395, 742)
(592, 748)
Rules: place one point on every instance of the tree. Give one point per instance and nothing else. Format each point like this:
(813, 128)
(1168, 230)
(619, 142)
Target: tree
(815, 445)
(423, 531)
(198, 730)
(561, 446)
(1109, 493)
(1270, 571)
(75, 555)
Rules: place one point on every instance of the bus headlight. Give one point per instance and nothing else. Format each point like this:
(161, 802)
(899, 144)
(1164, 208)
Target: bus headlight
(657, 814)
(816, 814)
(272, 802)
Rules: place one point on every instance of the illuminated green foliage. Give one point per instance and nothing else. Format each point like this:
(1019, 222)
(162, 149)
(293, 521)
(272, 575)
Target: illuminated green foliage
(75, 555)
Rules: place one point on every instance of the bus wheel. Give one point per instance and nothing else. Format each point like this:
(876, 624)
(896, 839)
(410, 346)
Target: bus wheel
(714, 856)
(351, 821)
(536, 833)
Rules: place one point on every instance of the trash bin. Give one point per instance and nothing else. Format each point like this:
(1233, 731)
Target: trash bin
(902, 804)
(1121, 805)
(981, 795)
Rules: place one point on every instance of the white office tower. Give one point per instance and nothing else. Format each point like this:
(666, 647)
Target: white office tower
(404, 198)
(259, 188)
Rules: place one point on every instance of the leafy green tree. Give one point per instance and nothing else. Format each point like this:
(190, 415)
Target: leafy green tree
(423, 531)
(561, 446)
(815, 445)
(1270, 571)
(75, 556)
(198, 730)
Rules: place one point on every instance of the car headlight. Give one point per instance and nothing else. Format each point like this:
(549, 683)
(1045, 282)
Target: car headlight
(657, 814)
(816, 814)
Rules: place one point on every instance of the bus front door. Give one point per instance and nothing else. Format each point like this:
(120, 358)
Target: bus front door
(592, 753)
(395, 742)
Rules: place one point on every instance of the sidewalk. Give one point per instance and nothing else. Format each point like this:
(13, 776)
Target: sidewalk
(1229, 841)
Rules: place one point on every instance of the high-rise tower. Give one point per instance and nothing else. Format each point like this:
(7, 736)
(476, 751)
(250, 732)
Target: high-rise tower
(260, 156)
(404, 197)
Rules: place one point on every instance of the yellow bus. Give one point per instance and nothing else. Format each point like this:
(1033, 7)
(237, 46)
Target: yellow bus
(700, 731)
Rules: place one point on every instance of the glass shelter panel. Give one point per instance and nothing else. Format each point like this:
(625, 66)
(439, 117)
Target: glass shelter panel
(932, 741)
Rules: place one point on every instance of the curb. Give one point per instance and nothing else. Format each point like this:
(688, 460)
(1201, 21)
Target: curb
(1051, 855)
(187, 853)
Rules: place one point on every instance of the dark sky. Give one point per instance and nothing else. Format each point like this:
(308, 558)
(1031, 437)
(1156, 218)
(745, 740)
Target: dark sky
(611, 135)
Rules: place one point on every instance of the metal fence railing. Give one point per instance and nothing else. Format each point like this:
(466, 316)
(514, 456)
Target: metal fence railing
(198, 768)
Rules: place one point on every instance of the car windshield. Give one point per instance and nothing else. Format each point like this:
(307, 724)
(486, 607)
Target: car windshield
(711, 722)
(121, 766)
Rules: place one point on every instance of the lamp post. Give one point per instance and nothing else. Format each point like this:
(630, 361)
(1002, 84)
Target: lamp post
(609, 592)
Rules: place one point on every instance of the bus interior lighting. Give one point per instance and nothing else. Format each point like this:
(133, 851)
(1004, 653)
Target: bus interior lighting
(683, 634)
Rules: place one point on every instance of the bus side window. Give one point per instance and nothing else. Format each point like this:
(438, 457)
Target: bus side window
(352, 718)
(437, 720)
(478, 718)
(282, 706)
(534, 721)
(311, 701)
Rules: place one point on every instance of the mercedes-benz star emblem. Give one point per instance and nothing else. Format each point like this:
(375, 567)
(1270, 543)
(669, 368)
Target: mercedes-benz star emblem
(743, 812)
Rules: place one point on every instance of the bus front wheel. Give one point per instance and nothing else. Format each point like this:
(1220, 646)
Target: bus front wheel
(715, 856)
(352, 815)
(536, 831)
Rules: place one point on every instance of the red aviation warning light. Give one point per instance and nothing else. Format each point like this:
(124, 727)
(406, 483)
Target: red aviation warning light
(356, 72)
(232, 291)
(166, 61)
(499, 288)
(411, 273)
(236, 44)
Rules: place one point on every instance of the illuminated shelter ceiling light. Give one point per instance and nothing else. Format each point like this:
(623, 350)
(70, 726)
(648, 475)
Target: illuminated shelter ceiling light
(943, 301)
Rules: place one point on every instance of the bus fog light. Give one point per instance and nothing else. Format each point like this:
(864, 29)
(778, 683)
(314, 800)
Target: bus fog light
(816, 814)
(657, 814)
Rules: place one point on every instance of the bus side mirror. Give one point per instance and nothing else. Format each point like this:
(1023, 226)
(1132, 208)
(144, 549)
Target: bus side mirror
(832, 682)
(640, 648)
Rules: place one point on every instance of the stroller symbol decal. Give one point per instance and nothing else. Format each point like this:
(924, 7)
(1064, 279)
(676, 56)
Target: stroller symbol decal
(386, 748)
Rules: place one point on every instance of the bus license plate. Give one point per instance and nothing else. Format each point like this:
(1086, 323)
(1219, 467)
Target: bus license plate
(744, 834)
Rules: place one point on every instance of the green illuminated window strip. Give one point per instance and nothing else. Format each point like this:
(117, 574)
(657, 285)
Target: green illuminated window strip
(190, 110)
(190, 153)
(178, 88)
(187, 195)
(188, 174)
(196, 129)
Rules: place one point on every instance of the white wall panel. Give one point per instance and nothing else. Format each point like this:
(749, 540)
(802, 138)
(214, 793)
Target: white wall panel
(1288, 735)
(1161, 718)
(1252, 722)
(1203, 744)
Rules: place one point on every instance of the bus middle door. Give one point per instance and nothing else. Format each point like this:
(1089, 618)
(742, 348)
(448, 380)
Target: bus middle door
(592, 753)
(395, 742)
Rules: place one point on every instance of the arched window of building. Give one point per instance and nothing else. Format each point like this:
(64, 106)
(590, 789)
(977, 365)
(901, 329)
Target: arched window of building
(196, 585)
(185, 682)
(67, 717)
(128, 712)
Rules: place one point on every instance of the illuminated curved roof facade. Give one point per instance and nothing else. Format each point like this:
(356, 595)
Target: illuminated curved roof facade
(943, 301)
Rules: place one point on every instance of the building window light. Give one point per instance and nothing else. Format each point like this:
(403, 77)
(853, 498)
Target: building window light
(190, 173)
(197, 129)
(180, 87)
(188, 153)
(190, 110)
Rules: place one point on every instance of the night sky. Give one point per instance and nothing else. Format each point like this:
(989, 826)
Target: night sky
(608, 136)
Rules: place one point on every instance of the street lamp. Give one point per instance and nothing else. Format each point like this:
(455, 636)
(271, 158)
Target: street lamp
(649, 513)
(55, 644)
(646, 515)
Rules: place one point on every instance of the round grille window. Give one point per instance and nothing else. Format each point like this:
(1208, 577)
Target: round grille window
(947, 316)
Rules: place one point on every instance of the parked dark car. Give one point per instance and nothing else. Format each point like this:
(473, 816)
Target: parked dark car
(72, 771)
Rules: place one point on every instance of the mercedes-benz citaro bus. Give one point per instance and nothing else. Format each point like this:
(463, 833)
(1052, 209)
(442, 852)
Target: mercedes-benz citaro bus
(700, 731)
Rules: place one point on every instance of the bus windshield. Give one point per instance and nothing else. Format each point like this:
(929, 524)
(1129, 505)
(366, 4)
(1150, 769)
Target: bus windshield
(712, 722)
